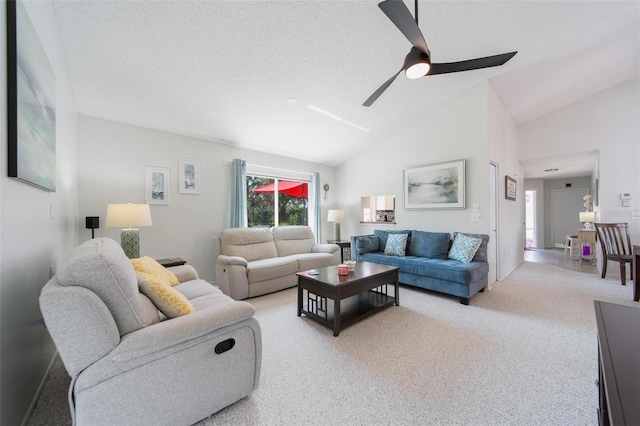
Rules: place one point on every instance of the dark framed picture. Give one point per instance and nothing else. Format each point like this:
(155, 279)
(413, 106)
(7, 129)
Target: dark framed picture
(31, 105)
(510, 188)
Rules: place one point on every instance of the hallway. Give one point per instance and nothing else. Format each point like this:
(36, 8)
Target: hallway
(558, 258)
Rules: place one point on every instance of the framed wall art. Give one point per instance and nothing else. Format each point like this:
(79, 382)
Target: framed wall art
(31, 96)
(510, 188)
(157, 185)
(189, 179)
(435, 186)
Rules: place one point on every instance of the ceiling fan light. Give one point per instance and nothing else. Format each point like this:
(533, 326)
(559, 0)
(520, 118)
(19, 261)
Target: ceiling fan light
(417, 70)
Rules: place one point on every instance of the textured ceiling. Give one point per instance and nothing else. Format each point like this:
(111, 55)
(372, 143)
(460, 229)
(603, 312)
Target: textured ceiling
(227, 70)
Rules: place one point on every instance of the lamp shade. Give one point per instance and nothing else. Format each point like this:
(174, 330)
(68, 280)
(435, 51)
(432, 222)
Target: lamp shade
(335, 216)
(587, 216)
(128, 215)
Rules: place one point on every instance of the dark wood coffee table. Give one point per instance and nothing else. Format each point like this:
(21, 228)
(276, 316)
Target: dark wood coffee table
(356, 296)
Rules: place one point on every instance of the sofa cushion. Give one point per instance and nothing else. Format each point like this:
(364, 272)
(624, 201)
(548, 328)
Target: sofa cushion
(101, 266)
(383, 235)
(196, 288)
(396, 245)
(308, 261)
(464, 248)
(434, 245)
(248, 243)
(151, 266)
(275, 267)
(443, 269)
(367, 244)
(167, 299)
(481, 254)
(293, 239)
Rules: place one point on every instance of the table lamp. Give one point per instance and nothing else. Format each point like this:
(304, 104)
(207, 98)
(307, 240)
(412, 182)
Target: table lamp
(587, 218)
(336, 216)
(129, 216)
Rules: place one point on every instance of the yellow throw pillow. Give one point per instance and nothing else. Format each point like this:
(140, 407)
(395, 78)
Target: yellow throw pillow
(151, 266)
(167, 299)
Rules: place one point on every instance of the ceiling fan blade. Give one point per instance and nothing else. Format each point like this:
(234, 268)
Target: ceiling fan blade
(381, 89)
(402, 18)
(471, 64)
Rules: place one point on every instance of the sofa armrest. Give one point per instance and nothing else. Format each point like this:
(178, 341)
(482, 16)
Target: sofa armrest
(231, 276)
(225, 260)
(184, 273)
(177, 331)
(325, 248)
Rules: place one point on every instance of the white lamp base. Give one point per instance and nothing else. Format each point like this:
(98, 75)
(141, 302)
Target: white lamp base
(130, 242)
(336, 231)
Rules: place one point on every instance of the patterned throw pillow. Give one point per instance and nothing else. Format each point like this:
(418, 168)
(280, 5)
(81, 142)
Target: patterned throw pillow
(464, 247)
(396, 245)
(149, 265)
(167, 299)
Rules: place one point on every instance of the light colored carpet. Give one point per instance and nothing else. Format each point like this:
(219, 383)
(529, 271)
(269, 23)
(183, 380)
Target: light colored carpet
(524, 353)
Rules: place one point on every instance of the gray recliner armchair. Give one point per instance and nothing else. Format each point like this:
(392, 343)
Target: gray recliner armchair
(128, 363)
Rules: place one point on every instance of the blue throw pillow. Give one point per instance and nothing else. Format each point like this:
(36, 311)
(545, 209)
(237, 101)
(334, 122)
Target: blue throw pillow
(481, 254)
(464, 247)
(383, 235)
(396, 245)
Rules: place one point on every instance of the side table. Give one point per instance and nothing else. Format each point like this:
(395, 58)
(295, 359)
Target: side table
(173, 261)
(587, 237)
(344, 246)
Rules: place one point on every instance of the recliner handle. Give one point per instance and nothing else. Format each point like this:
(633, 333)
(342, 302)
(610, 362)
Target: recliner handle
(225, 345)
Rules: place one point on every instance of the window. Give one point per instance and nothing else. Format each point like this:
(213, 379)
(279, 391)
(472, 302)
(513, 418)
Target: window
(276, 202)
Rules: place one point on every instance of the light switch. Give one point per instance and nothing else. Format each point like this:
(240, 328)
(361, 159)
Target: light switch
(635, 215)
(476, 207)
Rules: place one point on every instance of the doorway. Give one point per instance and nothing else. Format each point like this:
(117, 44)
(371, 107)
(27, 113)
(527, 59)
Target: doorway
(530, 219)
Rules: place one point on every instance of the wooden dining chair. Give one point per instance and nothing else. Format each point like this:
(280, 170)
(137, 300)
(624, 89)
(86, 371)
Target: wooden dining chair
(616, 245)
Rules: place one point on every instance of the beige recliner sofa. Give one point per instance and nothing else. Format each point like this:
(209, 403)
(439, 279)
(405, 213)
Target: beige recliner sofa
(130, 365)
(257, 261)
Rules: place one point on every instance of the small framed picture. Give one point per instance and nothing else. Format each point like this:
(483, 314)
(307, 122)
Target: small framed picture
(157, 185)
(510, 188)
(189, 178)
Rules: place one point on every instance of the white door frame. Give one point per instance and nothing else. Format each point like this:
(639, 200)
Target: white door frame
(493, 248)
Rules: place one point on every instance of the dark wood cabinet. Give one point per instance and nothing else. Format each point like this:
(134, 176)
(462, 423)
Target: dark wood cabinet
(618, 364)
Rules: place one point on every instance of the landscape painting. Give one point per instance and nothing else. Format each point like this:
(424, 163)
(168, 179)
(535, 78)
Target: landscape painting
(157, 185)
(31, 103)
(435, 186)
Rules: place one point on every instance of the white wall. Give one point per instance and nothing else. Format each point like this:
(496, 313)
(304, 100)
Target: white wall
(503, 150)
(608, 122)
(457, 130)
(31, 238)
(112, 160)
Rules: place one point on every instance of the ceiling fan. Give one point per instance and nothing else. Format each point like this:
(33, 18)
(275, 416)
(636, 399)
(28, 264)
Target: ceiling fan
(418, 62)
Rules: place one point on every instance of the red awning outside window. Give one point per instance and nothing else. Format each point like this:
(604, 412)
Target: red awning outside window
(297, 189)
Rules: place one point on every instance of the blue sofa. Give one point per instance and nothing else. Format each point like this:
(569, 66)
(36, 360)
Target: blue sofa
(426, 263)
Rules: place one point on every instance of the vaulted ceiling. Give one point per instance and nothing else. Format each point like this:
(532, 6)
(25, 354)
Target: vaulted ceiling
(290, 77)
